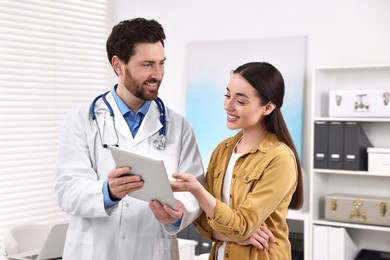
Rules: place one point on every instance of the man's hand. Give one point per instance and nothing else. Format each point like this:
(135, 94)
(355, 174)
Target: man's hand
(120, 182)
(165, 214)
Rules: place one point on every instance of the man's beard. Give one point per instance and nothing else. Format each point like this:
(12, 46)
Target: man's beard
(136, 88)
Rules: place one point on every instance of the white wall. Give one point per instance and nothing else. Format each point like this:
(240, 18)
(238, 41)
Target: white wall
(339, 32)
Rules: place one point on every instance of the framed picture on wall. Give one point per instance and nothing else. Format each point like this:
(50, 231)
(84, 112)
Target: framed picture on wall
(209, 65)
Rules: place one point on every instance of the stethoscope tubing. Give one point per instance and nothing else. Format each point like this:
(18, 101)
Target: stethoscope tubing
(103, 97)
(160, 105)
(163, 120)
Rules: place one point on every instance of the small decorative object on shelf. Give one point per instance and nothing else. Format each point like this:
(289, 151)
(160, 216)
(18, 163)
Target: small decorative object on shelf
(357, 209)
(378, 160)
(359, 103)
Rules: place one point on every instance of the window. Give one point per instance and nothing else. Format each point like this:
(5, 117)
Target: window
(52, 59)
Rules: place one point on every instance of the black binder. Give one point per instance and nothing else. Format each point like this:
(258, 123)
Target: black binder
(321, 144)
(366, 254)
(335, 145)
(355, 147)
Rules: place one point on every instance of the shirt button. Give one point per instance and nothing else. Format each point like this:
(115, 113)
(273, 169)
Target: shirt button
(234, 176)
(230, 195)
(127, 205)
(123, 237)
(247, 178)
(226, 255)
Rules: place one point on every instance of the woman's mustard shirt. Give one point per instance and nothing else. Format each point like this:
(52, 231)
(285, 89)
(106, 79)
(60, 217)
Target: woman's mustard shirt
(263, 182)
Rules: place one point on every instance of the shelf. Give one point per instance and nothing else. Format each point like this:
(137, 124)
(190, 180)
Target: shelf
(303, 218)
(354, 173)
(355, 119)
(351, 225)
(298, 215)
(354, 67)
(332, 181)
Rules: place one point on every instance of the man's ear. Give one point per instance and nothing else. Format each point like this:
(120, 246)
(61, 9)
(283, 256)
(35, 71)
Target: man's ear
(116, 64)
(269, 108)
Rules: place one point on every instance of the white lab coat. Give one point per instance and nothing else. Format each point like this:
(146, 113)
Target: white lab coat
(128, 230)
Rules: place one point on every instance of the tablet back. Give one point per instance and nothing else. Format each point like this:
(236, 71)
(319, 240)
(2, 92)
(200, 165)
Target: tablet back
(153, 173)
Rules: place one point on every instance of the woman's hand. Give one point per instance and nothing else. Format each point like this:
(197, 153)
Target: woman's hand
(188, 182)
(185, 182)
(261, 239)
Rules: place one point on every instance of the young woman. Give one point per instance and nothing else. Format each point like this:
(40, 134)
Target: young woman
(254, 177)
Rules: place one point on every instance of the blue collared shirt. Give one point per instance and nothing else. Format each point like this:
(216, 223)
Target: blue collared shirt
(133, 120)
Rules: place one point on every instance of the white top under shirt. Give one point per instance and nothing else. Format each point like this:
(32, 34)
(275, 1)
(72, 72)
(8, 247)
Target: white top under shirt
(226, 191)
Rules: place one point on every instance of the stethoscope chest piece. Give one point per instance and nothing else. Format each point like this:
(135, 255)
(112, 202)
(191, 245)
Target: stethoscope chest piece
(160, 142)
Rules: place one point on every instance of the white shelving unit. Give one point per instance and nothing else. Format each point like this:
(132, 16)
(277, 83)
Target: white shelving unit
(298, 222)
(325, 181)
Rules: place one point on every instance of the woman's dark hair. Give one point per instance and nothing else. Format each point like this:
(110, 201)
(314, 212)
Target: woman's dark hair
(127, 33)
(269, 83)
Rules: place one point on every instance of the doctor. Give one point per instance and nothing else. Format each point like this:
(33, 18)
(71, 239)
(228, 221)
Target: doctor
(105, 223)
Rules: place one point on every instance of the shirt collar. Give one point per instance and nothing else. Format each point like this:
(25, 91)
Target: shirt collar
(124, 109)
(270, 141)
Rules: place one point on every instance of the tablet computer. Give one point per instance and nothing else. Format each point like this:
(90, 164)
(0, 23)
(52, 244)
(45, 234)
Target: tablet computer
(153, 173)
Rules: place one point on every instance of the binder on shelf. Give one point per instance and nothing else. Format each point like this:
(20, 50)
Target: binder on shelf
(335, 145)
(341, 246)
(333, 243)
(320, 242)
(321, 144)
(355, 147)
(367, 254)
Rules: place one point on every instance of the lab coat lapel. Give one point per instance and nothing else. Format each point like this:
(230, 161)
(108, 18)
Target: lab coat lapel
(120, 123)
(150, 124)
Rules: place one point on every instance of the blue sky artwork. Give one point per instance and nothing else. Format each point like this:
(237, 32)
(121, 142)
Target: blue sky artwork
(209, 65)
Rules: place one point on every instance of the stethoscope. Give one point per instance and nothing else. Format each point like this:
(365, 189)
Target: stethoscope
(161, 139)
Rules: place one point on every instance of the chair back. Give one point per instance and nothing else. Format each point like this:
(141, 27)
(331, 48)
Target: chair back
(25, 237)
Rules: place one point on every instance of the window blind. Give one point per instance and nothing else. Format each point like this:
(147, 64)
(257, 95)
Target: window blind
(52, 59)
